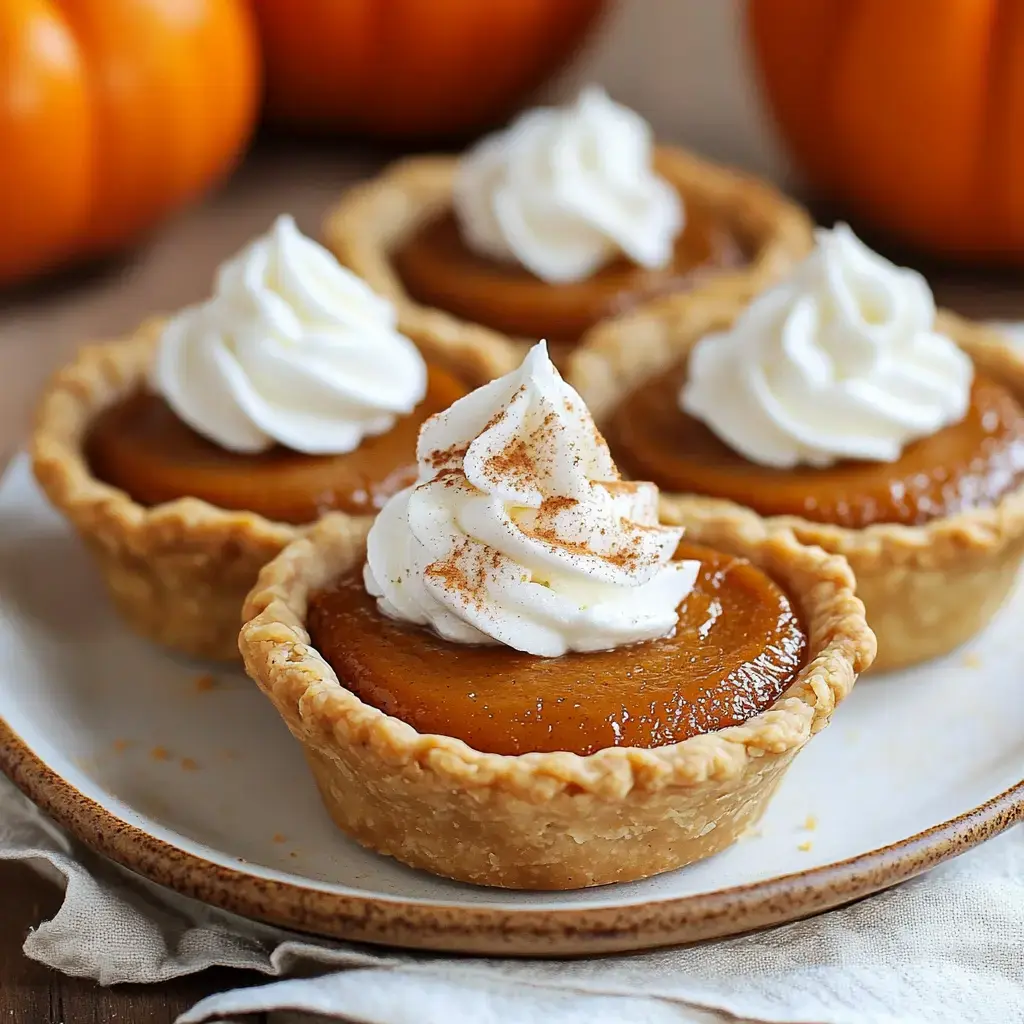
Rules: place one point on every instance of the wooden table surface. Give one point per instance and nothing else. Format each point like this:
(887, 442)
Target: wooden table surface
(41, 326)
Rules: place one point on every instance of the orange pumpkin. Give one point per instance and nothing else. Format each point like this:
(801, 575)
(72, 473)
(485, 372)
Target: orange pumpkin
(909, 112)
(411, 68)
(112, 114)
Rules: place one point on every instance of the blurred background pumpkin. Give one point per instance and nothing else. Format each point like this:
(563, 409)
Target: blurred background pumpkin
(113, 113)
(904, 113)
(412, 69)
(908, 113)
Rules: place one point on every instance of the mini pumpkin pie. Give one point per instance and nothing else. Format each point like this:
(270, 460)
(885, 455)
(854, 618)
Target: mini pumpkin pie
(189, 454)
(518, 677)
(840, 406)
(567, 217)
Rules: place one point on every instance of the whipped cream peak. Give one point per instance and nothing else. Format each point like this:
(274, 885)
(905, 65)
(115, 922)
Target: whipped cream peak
(287, 270)
(840, 361)
(530, 435)
(291, 349)
(520, 531)
(562, 191)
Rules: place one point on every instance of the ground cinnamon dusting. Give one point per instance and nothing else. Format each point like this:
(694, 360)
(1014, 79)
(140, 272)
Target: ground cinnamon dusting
(527, 464)
(513, 463)
(500, 414)
(450, 476)
(440, 458)
(627, 558)
(451, 573)
(553, 505)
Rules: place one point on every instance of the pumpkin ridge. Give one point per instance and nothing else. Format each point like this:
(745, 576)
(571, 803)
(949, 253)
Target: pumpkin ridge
(1002, 154)
(923, 101)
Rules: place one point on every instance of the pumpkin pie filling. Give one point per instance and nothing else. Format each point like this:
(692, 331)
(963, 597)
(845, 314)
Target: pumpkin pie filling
(523, 599)
(843, 405)
(189, 454)
(521, 676)
(141, 446)
(737, 646)
(967, 465)
(439, 269)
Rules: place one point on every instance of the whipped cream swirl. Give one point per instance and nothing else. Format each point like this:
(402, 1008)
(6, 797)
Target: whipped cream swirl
(564, 190)
(520, 531)
(291, 349)
(841, 361)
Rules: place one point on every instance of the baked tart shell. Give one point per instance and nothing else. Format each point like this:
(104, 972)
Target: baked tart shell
(372, 220)
(548, 820)
(177, 572)
(927, 589)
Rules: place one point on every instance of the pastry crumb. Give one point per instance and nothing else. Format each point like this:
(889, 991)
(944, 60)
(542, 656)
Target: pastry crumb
(810, 823)
(120, 746)
(205, 682)
(160, 754)
(971, 660)
(293, 853)
(279, 837)
(188, 764)
(805, 847)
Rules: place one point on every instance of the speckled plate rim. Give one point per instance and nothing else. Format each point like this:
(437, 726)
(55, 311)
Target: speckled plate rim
(459, 928)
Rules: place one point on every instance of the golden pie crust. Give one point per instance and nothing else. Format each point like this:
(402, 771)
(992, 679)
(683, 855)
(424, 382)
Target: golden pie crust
(548, 820)
(927, 589)
(178, 572)
(373, 219)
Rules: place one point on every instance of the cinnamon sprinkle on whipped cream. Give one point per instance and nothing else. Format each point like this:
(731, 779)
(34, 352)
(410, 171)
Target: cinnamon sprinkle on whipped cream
(520, 530)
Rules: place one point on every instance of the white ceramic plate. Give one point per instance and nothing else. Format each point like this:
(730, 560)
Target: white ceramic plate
(191, 779)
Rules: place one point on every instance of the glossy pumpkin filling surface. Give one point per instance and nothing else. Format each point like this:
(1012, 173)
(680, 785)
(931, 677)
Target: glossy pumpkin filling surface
(969, 465)
(439, 270)
(140, 446)
(738, 645)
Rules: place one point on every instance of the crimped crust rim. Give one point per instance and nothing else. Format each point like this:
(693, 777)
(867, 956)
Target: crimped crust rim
(619, 354)
(99, 374)
(277, 653)
(371, 218)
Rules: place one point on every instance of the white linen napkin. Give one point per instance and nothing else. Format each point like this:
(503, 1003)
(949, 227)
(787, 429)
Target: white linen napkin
(946, 948)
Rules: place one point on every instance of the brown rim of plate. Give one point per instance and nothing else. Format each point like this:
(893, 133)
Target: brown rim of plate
(496, 931)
